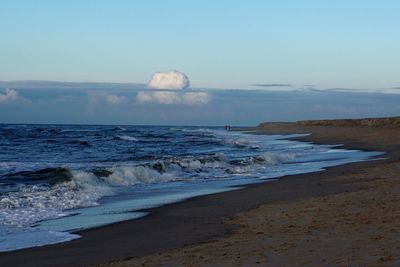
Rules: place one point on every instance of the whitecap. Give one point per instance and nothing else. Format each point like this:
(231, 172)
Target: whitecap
(127, 138)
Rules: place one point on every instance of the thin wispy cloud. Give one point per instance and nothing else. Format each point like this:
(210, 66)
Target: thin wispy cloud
(392, 90)
(272, 85)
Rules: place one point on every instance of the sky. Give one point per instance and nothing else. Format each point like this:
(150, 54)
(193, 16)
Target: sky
(262, 48)
(224, 43)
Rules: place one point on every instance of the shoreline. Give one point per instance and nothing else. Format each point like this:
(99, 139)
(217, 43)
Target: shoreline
(205, 219)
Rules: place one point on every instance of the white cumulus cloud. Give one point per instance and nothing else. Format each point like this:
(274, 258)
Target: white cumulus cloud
(169, 98)
(169, 80)
(9, 95)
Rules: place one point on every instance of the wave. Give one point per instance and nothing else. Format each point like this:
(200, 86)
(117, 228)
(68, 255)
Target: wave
(78, 142)
(51, 192)
(126, 138)
(198, 130)
(267, 158)
(160, 171)
(244, 143)
(236, 140)
(120, 128)
(49, 176)
(31, 204)
(274, 158)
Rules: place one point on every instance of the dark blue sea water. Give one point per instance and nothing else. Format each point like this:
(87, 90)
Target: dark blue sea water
(56, 179)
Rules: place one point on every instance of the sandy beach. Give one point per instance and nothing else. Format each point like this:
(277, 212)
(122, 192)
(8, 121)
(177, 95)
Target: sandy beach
(345, 216)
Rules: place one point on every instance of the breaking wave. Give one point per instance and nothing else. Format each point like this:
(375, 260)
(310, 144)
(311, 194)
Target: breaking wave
(31, 204)
(49, 193)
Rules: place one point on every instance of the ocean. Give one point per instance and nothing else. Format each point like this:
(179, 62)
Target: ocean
(59, 179)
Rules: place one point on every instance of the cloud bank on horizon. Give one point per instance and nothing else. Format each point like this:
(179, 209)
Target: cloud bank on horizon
(171, 80)
(141, 105)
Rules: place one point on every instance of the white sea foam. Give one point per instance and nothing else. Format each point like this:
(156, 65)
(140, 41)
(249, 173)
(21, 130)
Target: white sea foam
(31, 204)
(274, 158)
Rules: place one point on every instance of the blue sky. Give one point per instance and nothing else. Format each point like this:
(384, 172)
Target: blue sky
(216, 43)
(309, 45)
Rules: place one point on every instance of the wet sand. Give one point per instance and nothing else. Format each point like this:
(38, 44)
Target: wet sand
(346, 215)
